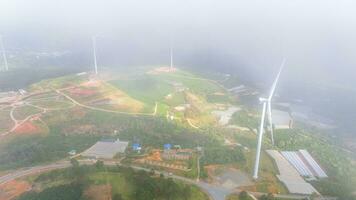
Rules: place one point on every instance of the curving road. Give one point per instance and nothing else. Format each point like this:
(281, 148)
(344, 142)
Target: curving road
(105, 110)
(215, 192)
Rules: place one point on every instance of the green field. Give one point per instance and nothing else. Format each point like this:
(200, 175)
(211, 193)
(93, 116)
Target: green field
(124, 183)
(52, 104)
(20, 113)
(5, 120)
(58, 83)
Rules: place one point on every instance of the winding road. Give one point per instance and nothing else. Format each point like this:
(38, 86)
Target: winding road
(105, 110)
(215, 192)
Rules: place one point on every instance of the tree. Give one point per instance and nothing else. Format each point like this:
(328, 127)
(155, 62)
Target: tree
(267, 197)
(74, 162)
(99, 164)
(117, 197)
(152, 172)
(243, 195)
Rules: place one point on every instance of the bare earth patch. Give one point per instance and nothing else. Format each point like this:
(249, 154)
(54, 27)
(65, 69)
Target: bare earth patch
(13, 189)
(98, 192)
(27, 128)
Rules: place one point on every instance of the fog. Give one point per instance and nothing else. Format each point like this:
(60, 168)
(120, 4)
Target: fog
(317, 37)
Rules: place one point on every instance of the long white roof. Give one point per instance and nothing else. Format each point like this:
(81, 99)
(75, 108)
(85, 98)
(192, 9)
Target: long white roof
(106, 149)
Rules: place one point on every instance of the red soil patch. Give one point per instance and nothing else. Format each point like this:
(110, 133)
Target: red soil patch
(13, 189)
(27, 128)
(81, 92)
(92, 83)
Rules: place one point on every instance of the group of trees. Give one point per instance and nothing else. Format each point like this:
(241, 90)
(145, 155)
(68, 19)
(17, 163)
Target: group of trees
(220, 154)
(145, 185)
(30, 150)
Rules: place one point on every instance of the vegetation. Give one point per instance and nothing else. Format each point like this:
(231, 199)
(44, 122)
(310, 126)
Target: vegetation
(241, 196)
(125, 183)
(243, 118)
(32, 150)
(338, 165)
(222, 155)
(22, 112)
(67, 192)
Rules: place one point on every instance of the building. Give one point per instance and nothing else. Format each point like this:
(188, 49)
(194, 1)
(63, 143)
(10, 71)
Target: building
(136, 147)
(281, 119)
(289, 176)
(177, 154)
(106, 149)
(304, 163)
(167, 146)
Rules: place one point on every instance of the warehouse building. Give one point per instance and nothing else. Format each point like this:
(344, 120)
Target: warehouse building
(106, 149)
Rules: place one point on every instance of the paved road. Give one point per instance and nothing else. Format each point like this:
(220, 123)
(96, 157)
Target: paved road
(215, 192)
(32, 170)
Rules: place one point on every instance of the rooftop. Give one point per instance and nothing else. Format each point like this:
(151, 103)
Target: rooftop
(106, 149)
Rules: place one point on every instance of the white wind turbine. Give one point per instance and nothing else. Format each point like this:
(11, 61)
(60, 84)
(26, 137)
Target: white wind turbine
(266, 106)
(171, 53)
(94, 54)
(3, 53)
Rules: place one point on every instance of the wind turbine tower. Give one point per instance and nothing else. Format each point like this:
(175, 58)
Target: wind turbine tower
(171, 53)
(266, 107)
(4, 53)
(94, 55)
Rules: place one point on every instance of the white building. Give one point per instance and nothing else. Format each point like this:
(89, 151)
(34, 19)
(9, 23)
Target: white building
(281, 119)
(106, 149)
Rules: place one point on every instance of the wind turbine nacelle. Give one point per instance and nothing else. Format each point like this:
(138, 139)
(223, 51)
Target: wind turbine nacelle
(262, 100)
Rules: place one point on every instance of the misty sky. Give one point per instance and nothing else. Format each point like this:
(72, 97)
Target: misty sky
(318, 37)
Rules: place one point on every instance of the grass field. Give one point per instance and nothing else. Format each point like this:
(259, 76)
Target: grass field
(52, 104)
(175, 89)
(5, 121)
(58, 83)
(116, 180)
(111, 182)
(24, 111)
(147, 89)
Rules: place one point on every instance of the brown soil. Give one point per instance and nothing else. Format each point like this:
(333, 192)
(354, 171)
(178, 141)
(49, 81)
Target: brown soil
(155, 156)
(160, 70)
(13, 189)
(98, 192)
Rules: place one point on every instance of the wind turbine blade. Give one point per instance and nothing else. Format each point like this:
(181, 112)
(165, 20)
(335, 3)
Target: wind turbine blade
(269, 113)
(259, 142)
(274, 85)
(4, 53)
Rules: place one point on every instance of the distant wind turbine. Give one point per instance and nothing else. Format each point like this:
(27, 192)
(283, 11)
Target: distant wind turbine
(171, 53)
(266, 105)
(94, 54)
(3, 53)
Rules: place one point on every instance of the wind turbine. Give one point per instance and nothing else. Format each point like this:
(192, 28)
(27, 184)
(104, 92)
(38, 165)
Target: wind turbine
(94, 54)
(266, 107)
(3, 53)
(171, 53)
